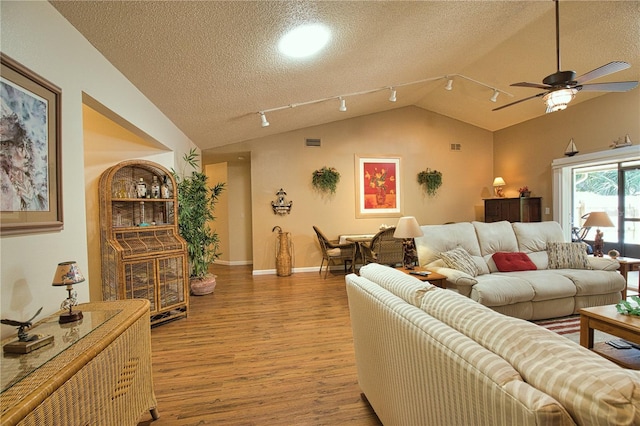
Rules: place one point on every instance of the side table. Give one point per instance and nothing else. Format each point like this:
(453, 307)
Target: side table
(434, 278)
(628, 264)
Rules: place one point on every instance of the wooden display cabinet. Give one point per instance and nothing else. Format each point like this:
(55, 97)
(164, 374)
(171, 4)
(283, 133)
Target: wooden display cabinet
(521, 209)
(143, 255)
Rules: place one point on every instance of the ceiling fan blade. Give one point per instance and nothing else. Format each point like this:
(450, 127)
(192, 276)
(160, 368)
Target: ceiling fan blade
(607, 69)
(620, 86)
(533, 85)
(521, 100)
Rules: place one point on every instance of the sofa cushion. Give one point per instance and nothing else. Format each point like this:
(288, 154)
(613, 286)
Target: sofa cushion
(593, 390)
(497, 289)
(405, 286)
(567, 255)
(458, 258)
(510, 262)
(494, 237)
(591, 282)
(439, 238)
(534, 236)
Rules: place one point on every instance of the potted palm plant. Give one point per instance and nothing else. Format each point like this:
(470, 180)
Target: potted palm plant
(196, 204)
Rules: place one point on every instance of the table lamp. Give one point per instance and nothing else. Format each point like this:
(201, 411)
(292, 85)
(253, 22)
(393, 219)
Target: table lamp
(599, 220)
(68, 273)
(498, 184)
(408, 228)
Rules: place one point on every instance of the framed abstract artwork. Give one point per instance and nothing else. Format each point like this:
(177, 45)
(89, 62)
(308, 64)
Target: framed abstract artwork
(378, 190)
(30, 153)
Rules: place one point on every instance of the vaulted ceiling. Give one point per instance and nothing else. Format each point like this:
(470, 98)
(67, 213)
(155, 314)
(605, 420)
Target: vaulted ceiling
(210, 66)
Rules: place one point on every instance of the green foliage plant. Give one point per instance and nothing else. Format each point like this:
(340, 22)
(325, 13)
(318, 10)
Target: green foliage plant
(431, 180)
(626, 308)
(196, 204)
(326, 179)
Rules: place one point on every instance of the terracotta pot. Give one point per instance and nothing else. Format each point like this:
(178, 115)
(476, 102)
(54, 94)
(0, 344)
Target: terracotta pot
(202, 286)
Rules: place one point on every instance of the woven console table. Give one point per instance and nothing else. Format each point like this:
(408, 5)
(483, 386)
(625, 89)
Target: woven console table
(102, 378)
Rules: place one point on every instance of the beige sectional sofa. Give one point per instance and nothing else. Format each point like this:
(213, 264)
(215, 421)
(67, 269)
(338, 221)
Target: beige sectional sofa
(565, 279)
(429, 356)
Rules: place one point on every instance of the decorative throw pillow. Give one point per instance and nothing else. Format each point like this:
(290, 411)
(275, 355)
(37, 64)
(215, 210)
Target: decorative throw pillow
(567, 256)
(460, 259)
(511, 262)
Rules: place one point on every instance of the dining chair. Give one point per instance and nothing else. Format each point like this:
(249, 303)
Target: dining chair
(333, 251)
(383, 249)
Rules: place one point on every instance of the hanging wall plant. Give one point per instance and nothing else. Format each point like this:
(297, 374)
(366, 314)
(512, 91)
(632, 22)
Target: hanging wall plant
(326, 179)
(431, 180)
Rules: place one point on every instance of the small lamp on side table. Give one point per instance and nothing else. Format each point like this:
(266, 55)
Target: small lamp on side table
(498, 185)
(68, 273)
(408, 228)
(599, 220)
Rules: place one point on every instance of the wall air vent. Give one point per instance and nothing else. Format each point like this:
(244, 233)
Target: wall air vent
(456, 147)
(312, 142)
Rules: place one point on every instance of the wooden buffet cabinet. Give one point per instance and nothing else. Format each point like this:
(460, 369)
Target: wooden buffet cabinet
(143, 255)
(97, 370)
(521, 209)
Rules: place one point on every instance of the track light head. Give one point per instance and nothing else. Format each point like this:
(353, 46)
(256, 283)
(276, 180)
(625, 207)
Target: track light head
(393, 98)
(343, 105)
(449, 85)
(263, 117)
(494, 98)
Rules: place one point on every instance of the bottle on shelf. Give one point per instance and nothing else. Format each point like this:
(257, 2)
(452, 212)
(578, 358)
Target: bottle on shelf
(141, 189)
(155, 188)
(164, 189)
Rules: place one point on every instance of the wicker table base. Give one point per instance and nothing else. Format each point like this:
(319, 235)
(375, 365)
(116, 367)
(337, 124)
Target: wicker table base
(103, 379)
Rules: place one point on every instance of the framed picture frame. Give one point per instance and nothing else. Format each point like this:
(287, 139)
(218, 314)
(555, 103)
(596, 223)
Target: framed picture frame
(30, 151)
(378, 186)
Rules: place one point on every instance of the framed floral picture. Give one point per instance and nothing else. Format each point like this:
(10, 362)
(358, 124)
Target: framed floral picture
(30, 156)
(378, 190)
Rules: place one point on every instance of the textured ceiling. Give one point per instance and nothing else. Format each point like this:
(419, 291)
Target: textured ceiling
(210, 66)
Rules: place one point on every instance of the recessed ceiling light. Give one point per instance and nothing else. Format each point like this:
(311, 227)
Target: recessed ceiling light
(304, 40)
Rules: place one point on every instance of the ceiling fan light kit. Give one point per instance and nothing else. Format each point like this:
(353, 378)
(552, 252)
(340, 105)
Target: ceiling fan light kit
(562, 86)
(559, 99)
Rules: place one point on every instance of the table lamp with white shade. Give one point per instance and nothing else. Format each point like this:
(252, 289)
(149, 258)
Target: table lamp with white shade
(408, 228)
(498, 186)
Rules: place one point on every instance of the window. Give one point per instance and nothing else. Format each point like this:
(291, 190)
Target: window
(603, 181)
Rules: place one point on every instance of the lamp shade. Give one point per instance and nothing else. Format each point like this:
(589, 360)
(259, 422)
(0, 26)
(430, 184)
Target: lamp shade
(499, 181)
(67, 273)
(599, 220)
(407, 227)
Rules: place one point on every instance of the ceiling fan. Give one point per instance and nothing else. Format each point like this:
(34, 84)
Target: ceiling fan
(561, 86)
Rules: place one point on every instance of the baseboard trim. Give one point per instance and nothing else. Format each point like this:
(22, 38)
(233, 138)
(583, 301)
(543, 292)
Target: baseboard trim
(294, 270)
(233, 262)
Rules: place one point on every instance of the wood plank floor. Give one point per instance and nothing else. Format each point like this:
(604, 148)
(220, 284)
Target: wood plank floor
(261, 350)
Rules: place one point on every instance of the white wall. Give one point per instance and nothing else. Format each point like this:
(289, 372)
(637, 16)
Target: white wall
(37, 36)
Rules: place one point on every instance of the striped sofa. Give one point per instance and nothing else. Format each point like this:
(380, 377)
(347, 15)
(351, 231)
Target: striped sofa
(428, 356)
(561, 283)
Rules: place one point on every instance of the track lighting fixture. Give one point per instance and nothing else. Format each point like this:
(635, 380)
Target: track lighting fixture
(343, 104)
(393, 98)
(449, 85)
(263, 117)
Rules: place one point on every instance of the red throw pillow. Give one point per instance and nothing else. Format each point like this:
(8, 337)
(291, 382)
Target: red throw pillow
(511, 262)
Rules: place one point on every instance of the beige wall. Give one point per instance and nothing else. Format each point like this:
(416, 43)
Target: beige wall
(523, 153)
(219, 173)
(36, 35)
(107, 143)
(422, 139)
